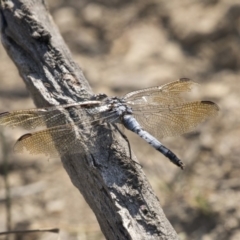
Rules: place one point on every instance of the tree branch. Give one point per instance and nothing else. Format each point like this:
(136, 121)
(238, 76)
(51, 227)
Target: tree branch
(115, 188)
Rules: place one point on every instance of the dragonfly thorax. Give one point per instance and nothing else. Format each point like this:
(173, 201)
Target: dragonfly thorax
(119, 106)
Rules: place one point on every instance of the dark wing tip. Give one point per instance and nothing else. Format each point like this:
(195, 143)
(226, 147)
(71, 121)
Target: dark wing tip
(184, 79)
(3, 113)
(211, 103)
(27, 135)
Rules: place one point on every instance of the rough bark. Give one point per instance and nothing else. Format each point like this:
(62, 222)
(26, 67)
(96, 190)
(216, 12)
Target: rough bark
(114, 187)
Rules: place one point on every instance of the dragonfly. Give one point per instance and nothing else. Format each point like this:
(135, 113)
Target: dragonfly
(152, 113)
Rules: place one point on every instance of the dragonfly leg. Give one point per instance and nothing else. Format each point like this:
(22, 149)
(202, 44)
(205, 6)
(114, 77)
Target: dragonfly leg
(125, 138)
(128, 143)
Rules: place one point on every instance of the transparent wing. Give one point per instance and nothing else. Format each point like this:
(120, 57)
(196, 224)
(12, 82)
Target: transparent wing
(164, 120)
(49, 116)
(59, 140)
(52, 142)
(167, 94)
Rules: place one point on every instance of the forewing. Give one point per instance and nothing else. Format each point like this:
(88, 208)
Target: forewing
(168, 94)
(171, 120)
(36, 117)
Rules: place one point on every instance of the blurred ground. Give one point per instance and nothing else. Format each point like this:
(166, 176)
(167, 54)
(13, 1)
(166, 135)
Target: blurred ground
(124, 46)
